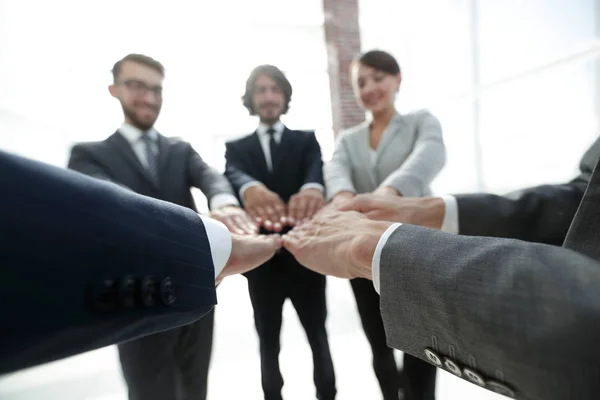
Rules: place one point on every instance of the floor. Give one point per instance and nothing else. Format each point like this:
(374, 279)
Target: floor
(235, 370)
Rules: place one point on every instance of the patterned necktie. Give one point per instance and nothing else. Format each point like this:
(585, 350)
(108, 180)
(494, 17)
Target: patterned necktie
(272, 147)
(151, 157)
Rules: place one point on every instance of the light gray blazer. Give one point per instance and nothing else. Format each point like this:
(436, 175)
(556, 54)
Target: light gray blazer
(519, 318)
(409, 156)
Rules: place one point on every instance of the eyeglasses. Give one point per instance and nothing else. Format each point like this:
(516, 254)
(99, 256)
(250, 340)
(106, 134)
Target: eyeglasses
(139, 88)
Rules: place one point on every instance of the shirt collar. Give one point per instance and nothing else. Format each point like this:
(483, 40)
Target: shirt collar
(263, 128)
(133, 134)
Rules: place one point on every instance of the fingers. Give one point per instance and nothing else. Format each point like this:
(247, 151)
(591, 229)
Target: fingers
(248, 252)
(245, 224)
(298, 209)
(234, 226)
(274, 215)
(291, 242)
(360, 203)
(313, 207)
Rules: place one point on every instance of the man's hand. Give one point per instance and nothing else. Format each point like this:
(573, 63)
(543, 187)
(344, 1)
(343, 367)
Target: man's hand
(304, 205)
(248, 252)
(266, 207)
(387, 191)
(236, 220)
(424, 211)
(334, 243)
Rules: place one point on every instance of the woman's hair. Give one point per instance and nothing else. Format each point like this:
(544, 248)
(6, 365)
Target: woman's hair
(380, 60)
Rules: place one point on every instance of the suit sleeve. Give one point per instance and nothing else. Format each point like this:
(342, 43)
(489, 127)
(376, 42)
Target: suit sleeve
(540, 214)
(235, 171)
(88, 264)
(338, 171)
(314, 162)
(206, 178)
(523, 313)
(426, 160)
(82, 160)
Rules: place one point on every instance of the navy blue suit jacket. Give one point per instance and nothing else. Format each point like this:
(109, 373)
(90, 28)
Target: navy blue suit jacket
(86, 264)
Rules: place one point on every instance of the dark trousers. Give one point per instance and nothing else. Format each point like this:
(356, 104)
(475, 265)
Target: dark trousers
(306, 290)
(171, 365)
(418, 381)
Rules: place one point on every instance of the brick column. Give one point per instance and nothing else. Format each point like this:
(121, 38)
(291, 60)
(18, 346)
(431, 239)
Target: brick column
(342, 37)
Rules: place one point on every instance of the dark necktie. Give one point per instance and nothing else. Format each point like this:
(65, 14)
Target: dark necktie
(272, 147)
(151, 157)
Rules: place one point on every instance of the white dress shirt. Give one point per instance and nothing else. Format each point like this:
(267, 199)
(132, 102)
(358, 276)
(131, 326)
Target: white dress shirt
(218, 235)
(450, 225)
(264, 139)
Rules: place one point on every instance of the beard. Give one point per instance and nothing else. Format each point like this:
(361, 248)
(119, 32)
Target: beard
(268, 117)
(135, 120)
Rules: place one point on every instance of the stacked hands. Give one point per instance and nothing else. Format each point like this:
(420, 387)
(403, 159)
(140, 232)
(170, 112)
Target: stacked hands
(338, 239)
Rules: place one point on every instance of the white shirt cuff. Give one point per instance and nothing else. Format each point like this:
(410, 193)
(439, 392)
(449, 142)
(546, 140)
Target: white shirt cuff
(377, 255)
(219, 240)
(222, 200)
(246, 186)
(450, 224)
(313, 185)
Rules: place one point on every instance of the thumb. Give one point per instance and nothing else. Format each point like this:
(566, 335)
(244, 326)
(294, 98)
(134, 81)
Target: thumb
(358, 203)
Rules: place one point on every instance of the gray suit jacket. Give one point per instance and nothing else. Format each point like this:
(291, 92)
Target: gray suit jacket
(410, 155)
(179, 167)
(519, 318)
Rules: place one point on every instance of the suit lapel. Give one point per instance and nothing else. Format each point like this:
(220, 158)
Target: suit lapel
(366, 163)
(164, 151)
(392, 130)
(584, 232)
(118, 142)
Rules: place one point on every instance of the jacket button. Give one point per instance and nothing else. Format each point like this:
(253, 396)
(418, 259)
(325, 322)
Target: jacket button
(103, 296)
(500, 388)
(148, 290)
(167, 292)
(474, 377)
(433, 357)
(452, 367)
(126, 291)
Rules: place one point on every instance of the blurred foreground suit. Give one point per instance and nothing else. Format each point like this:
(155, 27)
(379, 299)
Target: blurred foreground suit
(518, 318)
(86, 264)
(158, 366)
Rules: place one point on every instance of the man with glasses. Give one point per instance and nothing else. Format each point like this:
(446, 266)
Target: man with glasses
(172, 364)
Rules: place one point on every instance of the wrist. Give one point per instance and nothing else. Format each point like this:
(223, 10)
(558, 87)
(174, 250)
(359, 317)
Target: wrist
(253, 190)
(435, 210)
(363, 245)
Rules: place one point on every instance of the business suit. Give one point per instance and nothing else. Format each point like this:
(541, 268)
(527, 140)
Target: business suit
(87, 264)
(514, 317)
(410, 154)
(296, 163)
(159, 366)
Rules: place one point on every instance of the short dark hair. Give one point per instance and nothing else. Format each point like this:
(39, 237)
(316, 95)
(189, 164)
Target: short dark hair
(140, 59)
(381, 61)
(274, 73)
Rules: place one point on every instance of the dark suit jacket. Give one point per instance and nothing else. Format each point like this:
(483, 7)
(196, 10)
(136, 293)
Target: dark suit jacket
(298, 162)
(86, 264)
(540, 214)
(180, 168)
